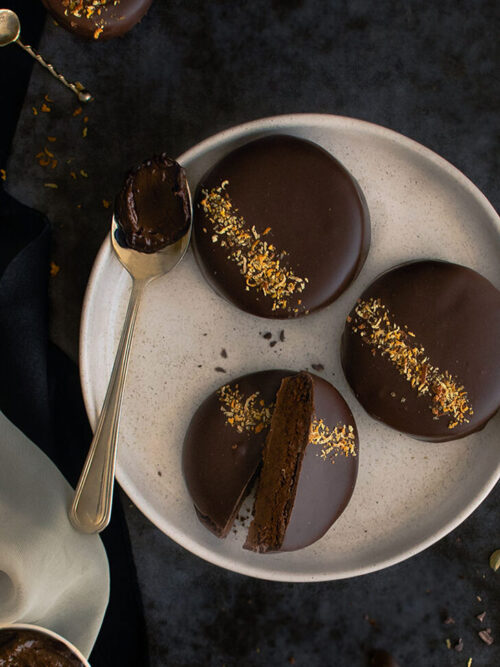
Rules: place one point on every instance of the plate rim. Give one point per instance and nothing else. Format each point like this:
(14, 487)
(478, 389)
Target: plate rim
(104, 254)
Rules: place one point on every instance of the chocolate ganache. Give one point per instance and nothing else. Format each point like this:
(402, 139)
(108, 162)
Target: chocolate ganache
(153, 207)
(97, 19)
(420, 350)
(223, 452)
(280, 228)
(30, 648)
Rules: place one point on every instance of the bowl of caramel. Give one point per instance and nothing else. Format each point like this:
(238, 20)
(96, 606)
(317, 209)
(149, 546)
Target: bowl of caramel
(24, 644)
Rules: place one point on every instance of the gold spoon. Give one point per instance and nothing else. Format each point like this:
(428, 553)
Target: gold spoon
(10, 30)
(91, 508)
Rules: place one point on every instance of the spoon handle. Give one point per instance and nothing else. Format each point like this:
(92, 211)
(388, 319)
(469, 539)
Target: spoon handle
(82, 94)
(91, 508)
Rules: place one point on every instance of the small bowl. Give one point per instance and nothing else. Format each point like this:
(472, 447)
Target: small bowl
(48, 633)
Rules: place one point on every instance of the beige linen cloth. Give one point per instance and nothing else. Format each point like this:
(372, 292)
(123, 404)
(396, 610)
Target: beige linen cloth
(50, 575)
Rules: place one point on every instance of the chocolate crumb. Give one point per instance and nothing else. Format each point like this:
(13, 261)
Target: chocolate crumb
(267, 335)
(282, 336)
(159, 473)
(200, 366)
(219, 369)
(318, 367)
(273, 343)
(485, 635)
(205, 334)
(459, 646)
(481, 617)
(371, 621)
(223, 353)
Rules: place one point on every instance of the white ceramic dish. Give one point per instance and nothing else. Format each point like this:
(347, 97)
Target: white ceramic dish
(409, 494)
(49, 633)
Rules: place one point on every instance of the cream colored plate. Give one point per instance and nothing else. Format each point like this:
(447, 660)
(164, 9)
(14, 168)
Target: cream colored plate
(409, 494)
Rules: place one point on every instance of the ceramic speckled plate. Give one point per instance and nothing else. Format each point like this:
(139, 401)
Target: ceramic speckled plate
(409, 493)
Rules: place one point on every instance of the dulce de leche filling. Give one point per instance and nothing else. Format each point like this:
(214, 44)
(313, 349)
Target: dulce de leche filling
(153, 208)
(19, 648)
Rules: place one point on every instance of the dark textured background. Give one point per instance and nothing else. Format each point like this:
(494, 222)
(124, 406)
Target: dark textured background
(426, 69)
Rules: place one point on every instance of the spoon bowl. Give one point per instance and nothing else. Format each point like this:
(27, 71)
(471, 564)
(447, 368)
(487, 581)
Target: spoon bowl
(10, 27)
(147, 266)
(91, 508)
(10, 33)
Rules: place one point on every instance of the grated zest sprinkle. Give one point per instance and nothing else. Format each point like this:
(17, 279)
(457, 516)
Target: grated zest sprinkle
(263, 267)
(249, 414)
(448, 397)
(89, 9)
(340, 440)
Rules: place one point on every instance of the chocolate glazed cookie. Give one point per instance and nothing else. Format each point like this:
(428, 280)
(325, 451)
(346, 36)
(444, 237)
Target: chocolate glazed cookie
(420, 350)
(97, 19)
(280, 227)
(300, 430)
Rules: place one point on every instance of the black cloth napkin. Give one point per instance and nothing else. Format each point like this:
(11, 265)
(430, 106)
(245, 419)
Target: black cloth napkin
(40, 394)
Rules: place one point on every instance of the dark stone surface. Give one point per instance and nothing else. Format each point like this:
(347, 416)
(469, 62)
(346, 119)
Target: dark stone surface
(426, 69)
(201, 615)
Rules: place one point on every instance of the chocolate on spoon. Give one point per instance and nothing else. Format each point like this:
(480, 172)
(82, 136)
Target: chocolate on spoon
(158, 184)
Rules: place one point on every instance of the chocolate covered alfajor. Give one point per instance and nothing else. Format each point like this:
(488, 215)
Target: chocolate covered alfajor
(281, 228)
(295, 434)
(420, 350)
